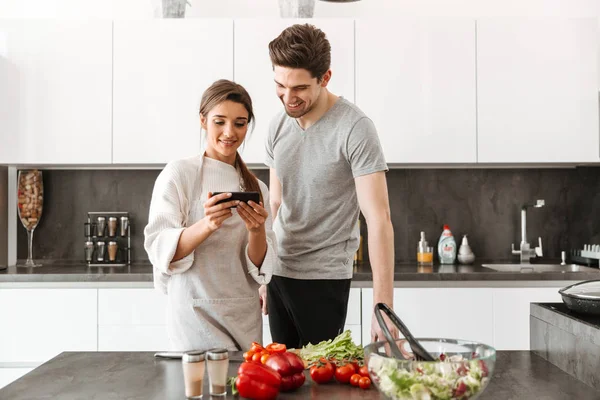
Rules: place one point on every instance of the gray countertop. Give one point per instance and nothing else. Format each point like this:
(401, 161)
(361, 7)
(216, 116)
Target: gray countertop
(56, 271)
(137, 375)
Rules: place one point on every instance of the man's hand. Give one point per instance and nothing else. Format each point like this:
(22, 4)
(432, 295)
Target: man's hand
(377, 332)
(262, 293)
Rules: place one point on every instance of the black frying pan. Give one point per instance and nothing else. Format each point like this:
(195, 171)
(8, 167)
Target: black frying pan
(582, 297)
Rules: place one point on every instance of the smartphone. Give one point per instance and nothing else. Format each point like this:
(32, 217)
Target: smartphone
(241, 196)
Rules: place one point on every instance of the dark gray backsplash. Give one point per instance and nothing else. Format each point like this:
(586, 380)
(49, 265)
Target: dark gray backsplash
(483, 203)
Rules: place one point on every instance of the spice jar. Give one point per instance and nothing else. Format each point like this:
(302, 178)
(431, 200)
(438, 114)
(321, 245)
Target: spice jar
(112, 251)
(193, 373)
(112, 226)
(217, 364)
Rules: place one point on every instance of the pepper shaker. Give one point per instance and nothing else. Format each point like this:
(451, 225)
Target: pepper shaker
(217, 361)
(112, 226)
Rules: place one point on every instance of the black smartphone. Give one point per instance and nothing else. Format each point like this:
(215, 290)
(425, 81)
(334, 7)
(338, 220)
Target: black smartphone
(241, 196)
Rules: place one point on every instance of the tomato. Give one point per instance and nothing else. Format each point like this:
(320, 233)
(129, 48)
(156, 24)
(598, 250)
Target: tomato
(248, 355)
(460, 390)
(256, 347)
(256, 357)
(276, 348)
(322, 371)
(257, 382)
(356, 366)
(364, 383)
(343, 373)
(264, 358)
(354, 379)
(363, 371)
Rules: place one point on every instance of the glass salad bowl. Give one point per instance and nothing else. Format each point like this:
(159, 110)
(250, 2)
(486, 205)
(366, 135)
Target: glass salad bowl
(462, 369)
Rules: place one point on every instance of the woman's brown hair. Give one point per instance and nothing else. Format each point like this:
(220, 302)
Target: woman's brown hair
(302, 46)
(223, 90)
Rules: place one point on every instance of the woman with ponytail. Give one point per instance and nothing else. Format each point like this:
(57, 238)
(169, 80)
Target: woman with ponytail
(211, 258)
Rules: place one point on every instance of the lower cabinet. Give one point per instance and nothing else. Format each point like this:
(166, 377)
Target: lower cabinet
(39, 324)
(511, 314)
(132, 320)
(495, 316)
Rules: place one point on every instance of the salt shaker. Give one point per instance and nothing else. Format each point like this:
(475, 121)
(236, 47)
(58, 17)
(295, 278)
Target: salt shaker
(89, 251)
(217, 364)
(101, 226)
(100, 248)
(193, 373)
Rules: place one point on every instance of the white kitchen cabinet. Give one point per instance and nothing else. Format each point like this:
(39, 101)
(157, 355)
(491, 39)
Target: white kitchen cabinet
(55, 96)
(132, 320)
(537, 90)
(454, 313)
(415, 78)
(131, 307)
(9, 375)
(133, 338)
(38, 324)
(254, 71)
(161, 69)
(511, 314)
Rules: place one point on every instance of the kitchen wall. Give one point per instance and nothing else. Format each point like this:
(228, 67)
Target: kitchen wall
(484, 203)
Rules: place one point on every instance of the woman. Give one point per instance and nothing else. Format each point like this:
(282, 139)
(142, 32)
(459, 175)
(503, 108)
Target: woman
(209, 258)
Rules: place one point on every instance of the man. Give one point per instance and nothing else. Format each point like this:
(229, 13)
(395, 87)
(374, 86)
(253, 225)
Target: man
(326, 166)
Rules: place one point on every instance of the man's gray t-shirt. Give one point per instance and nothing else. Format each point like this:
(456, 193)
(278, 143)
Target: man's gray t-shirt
(316, 225)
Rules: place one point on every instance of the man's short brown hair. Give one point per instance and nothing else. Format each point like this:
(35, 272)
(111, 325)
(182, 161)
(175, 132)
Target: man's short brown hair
(302, 46)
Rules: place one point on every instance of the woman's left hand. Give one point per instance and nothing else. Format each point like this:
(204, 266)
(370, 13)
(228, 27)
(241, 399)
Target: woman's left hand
(254, 216)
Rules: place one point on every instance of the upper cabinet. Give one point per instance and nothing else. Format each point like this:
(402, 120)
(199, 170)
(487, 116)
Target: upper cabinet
(415, 78)
(161, 69)
(537, 90)
(254, 71)
(55, 91)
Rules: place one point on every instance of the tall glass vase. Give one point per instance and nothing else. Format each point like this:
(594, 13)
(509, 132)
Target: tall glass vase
(30, 205)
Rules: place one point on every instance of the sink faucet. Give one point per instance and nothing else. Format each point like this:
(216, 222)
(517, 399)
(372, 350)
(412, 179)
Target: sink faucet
(525, 250)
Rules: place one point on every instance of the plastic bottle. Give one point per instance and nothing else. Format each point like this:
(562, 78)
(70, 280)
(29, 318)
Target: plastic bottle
(447, 247)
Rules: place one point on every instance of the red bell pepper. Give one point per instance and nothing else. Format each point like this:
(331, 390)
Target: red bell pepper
(257, 382)
(291, 369)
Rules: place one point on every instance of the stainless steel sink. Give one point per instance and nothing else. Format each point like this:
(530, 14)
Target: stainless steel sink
(534, 268)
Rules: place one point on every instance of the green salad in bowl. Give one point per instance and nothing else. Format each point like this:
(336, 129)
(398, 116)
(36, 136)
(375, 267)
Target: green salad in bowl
(462, 369)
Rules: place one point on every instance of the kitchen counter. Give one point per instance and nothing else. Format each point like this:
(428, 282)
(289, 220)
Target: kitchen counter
(567, 339)
(76, 274)
(137, 375)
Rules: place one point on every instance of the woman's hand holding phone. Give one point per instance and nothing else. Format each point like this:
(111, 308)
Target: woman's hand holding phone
(216, 214)
(254, 216)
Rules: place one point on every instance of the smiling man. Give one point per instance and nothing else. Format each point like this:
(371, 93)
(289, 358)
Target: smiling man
(327, 165)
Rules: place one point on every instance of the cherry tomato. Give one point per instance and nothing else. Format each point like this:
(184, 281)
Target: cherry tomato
(256, 347)
(364, 383)
(363, 371)
(344, 373)
(248, 355)
(264, 358)
(256, 357)
(276, 348)
(354, 363)
(354, 379)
